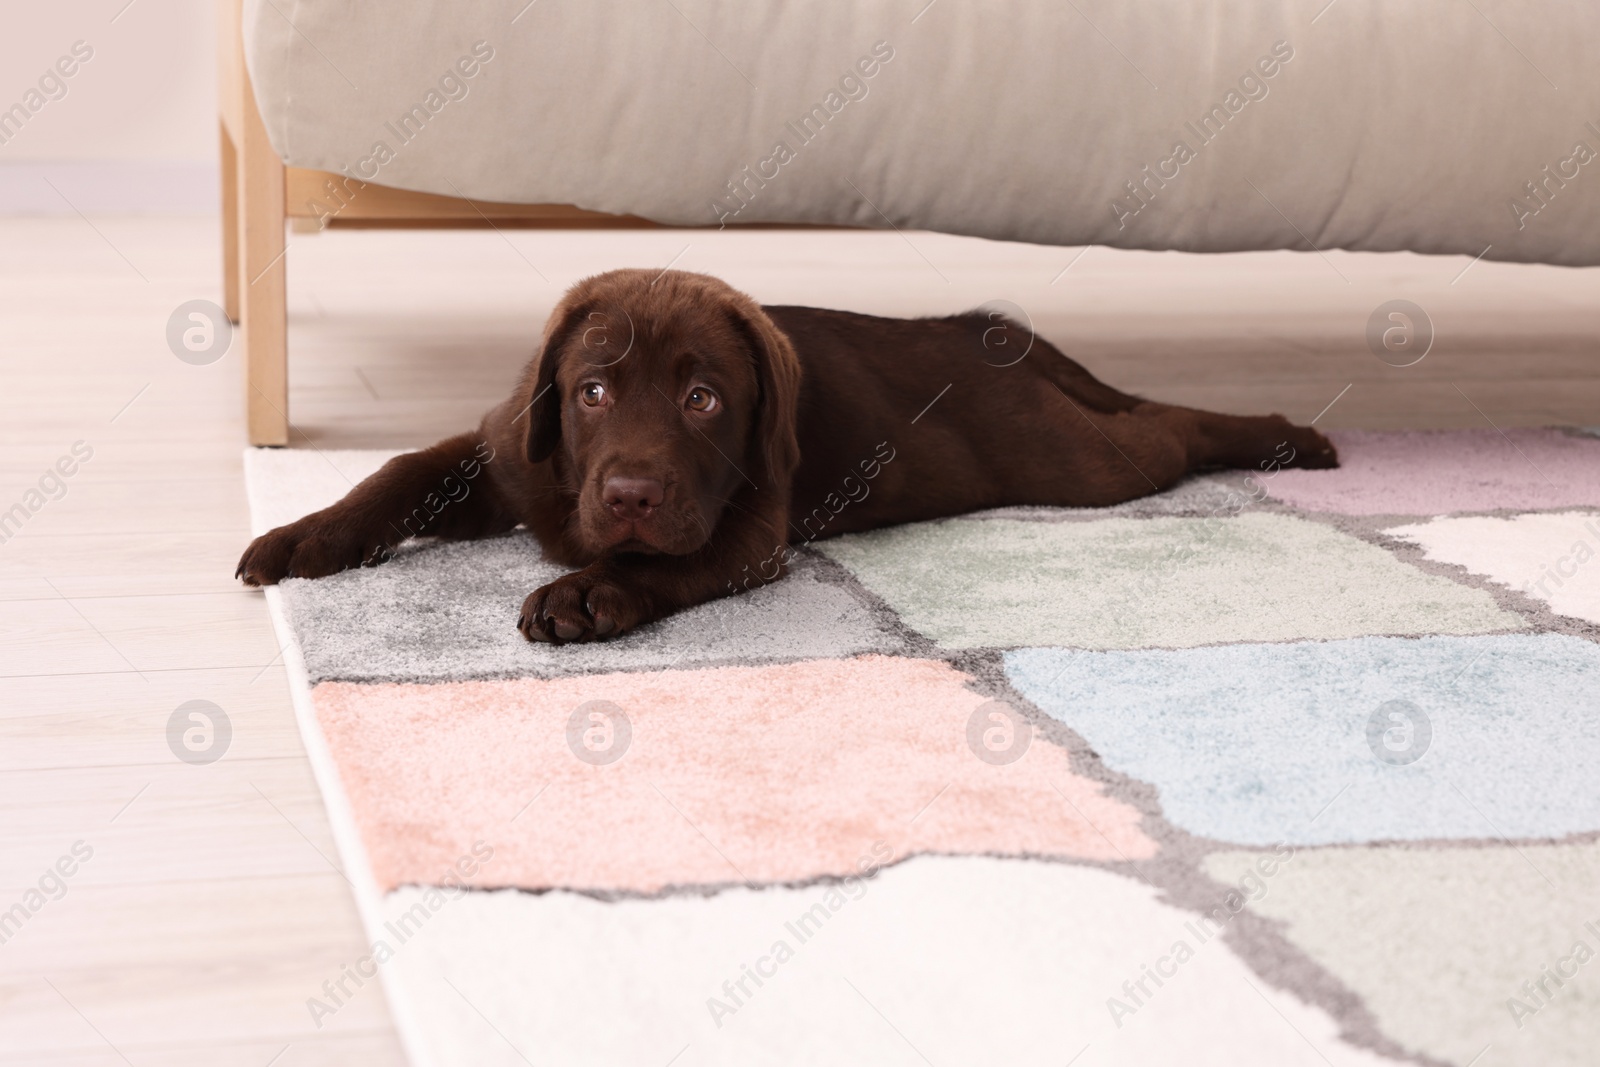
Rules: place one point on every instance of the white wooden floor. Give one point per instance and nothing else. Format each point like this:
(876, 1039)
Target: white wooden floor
(212, 908)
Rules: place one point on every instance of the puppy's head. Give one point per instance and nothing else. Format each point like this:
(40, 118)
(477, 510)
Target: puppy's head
(661, 398)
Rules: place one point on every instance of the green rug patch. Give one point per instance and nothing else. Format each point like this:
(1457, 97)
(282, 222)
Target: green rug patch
(1153, 583)
(1452, 949)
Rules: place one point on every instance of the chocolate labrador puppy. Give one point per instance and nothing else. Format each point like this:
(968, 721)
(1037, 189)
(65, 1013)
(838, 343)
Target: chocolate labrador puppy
(673, 440)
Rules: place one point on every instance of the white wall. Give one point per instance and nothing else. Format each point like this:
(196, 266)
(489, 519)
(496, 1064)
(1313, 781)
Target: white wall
(137, 126)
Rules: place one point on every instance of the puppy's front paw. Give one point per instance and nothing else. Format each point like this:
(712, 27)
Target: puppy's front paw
(308, 548)
(582, 606)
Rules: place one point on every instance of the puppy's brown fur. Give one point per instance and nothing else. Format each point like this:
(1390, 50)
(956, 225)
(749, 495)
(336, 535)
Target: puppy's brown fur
(673, 439)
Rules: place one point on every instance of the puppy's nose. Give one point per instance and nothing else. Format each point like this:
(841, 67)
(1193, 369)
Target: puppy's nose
(633, 498)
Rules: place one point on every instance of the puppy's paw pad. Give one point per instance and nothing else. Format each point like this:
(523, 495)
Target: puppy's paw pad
(578, 607)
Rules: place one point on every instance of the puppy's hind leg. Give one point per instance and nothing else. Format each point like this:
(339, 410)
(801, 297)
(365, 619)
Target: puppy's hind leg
(1211, 440)
(443, 491)
(1247, 442)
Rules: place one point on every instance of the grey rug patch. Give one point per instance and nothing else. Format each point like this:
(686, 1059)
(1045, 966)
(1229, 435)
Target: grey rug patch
(447, 612)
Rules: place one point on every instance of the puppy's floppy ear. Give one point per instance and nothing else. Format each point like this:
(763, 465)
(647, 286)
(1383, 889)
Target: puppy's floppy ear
(538, 392)
(777, 447)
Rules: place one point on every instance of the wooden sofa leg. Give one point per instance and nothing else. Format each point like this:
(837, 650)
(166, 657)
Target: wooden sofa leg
(262, 296)
(230, 224)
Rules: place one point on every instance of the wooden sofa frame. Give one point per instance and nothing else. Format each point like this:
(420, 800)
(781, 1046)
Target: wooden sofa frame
(260, 195)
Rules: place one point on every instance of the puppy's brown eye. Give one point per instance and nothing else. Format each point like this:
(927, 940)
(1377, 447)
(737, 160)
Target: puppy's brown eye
(702, 400)
(594, 394)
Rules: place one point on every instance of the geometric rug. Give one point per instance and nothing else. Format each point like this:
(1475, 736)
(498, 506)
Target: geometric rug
(1295, 768)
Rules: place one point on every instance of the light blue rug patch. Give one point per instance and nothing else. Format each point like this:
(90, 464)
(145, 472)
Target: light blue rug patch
(1369, 739)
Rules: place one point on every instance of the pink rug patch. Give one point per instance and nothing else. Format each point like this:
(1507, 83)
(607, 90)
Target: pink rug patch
(732, 774)
(1438, 472)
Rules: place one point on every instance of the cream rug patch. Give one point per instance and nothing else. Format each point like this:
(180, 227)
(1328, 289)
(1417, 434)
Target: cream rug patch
(1552, 556)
